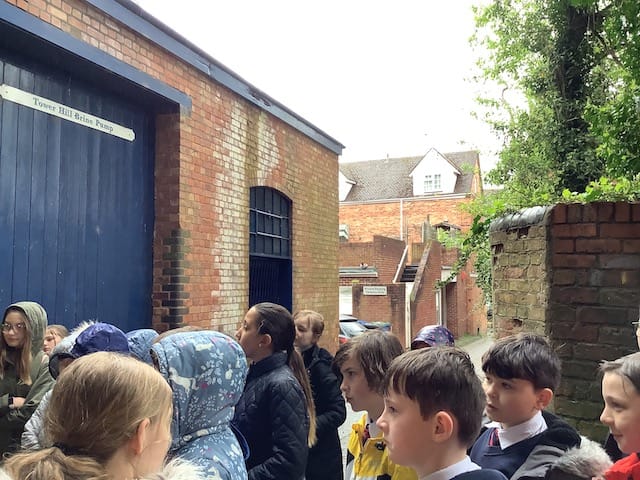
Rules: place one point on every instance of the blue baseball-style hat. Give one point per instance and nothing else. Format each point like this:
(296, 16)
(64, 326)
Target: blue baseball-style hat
(433, 335)
(100, 337)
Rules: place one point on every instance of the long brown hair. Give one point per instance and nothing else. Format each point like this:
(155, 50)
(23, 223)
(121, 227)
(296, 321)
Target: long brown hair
(97, 404)
(20, 357)
(276, 321)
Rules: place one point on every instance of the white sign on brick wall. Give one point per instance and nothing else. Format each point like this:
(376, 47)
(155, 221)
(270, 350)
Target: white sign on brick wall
(374, 290)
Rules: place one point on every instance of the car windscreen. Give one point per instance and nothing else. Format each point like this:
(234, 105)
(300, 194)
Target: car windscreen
(352, 328)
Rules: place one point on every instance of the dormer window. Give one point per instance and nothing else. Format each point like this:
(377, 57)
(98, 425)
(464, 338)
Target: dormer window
(432, 183)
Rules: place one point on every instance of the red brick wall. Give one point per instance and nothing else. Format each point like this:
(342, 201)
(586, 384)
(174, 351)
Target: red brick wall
(382, 253)
(382, 308)
(388, 253)
(449, 256)
(424, 304)
(594, 293)
(353, 254)
(574, 276)
(476, 319)
(207, 160)
(368, 219)
(452, 305)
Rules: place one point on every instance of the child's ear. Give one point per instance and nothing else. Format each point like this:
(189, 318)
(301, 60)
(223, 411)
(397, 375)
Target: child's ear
(266, 340)
(442, 426)
(543, 398)
(139, 439)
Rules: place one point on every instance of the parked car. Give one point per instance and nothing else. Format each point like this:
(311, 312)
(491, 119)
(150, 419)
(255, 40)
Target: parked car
(349, 327)
(365, 323)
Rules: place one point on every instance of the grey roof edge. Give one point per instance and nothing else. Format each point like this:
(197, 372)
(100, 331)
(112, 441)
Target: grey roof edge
(133, 16)
(408, 199)
(523, 218)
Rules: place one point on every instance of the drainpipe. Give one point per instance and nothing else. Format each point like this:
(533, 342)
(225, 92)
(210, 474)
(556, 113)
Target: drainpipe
(401, 219)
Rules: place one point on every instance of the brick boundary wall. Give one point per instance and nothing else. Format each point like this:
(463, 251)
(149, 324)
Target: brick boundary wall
(594, 296)
(382, 308)
(586, 296)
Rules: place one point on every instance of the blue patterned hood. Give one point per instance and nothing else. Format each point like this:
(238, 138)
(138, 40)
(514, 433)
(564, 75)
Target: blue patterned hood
(140, 343)
(206, 371)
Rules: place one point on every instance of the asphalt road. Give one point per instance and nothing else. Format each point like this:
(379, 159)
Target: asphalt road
(475, 351)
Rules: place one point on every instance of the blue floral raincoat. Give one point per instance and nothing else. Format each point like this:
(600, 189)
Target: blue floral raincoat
(206, 371)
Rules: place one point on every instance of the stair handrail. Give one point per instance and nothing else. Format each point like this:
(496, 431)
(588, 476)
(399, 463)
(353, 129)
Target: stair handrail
(401, 265)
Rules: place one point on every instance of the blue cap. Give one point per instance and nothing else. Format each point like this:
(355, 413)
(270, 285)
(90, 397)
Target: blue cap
(100, 337)
(433, 335)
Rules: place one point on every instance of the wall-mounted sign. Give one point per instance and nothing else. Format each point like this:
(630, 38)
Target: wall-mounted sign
(56, 109)
(374, 290)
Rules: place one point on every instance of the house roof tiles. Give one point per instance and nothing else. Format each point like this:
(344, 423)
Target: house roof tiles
(390, 178)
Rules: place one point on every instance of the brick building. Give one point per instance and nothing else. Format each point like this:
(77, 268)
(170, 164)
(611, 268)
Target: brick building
(144, 183)
(389, 211)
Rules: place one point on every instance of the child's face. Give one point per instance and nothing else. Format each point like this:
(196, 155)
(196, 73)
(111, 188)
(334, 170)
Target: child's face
(14, 329)
(355, 388)
(406, 432)
(621, 411)
(157, 442)
(305, 337)
(249, 338)
(51, 339)
(511, 401)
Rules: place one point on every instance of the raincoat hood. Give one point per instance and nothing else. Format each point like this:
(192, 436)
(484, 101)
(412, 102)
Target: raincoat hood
(206, 371)
(140, 343)
(37, 318)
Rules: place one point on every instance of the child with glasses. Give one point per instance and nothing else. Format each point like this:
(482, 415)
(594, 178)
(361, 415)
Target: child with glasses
(24, 369)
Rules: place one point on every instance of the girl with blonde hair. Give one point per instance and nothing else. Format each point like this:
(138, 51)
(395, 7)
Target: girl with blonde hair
(109, 417)
(52, 336)
(325, 457)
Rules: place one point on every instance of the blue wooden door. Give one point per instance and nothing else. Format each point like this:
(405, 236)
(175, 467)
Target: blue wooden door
(76, 204)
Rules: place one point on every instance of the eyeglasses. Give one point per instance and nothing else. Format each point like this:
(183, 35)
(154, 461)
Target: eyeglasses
(18, 327)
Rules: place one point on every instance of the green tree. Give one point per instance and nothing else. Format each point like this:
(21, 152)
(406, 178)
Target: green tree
(568, 111)
(576, 64)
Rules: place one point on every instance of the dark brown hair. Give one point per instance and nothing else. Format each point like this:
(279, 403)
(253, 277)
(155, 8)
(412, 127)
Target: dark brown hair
(277, 322)
(526, 356)
(441, 378)
(374, 350)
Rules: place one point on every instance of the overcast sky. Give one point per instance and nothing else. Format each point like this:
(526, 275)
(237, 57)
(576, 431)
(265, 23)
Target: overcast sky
(383, 78)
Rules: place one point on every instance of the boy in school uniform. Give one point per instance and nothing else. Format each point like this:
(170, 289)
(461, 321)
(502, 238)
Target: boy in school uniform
(363, 361)
(521, 373)
(433, 409)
